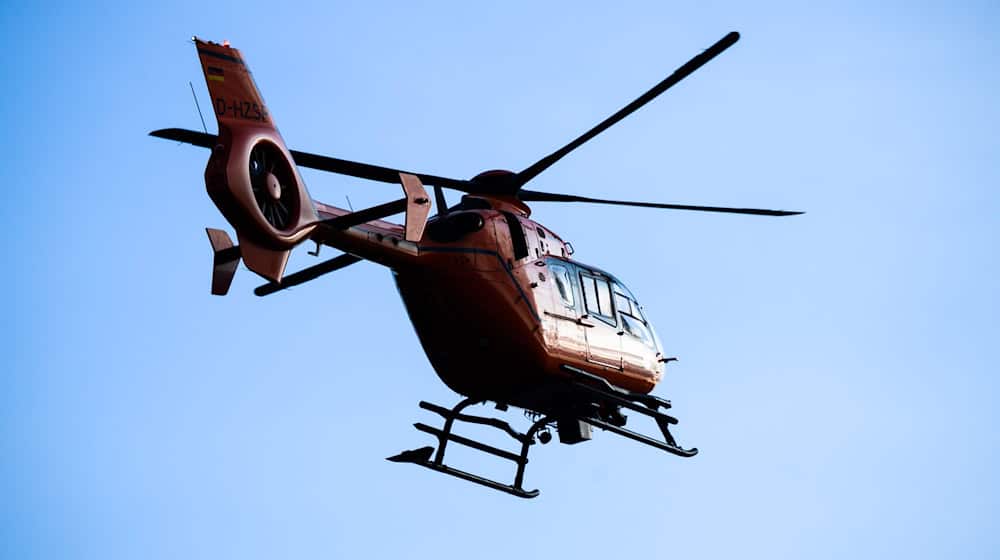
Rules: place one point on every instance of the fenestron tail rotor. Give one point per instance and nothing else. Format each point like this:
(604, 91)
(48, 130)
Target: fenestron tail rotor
(273, 186)
(270, 195)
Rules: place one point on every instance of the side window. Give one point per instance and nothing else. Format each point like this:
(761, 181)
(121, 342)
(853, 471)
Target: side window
(597, 293)
(604, 298)
(564, 285)
(590, 293)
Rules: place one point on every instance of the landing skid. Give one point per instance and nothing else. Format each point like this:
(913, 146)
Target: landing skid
(596, 391)
(645, 404)
(422, 456)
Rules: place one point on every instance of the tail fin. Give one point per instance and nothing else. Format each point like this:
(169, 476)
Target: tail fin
(235, 97)
(251, 175)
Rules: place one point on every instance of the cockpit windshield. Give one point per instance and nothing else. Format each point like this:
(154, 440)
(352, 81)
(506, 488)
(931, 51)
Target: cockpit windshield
(634, 321)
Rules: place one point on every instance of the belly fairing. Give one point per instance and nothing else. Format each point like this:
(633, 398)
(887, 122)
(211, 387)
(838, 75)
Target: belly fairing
(479, 343)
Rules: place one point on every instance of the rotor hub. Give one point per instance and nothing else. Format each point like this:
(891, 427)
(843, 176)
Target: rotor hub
(495, 181)
(273, 186)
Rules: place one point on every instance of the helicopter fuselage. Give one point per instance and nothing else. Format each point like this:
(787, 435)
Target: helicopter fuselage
(500, 307)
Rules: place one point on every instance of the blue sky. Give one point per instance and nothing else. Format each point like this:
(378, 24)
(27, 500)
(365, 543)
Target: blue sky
(836, 369)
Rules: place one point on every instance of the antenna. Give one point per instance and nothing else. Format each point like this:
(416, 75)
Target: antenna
(202, 117)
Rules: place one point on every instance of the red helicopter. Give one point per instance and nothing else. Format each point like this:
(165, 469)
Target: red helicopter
(503, 312)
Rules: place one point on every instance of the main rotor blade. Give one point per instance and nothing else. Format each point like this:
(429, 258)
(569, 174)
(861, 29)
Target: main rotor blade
(307, 274)
(323, 163)
(684, 71)
(536, 196)
(440, 203)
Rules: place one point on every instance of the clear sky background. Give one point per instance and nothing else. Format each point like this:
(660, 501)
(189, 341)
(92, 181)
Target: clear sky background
(837, 369)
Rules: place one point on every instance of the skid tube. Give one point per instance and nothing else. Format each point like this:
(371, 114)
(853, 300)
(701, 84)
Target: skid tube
(422, 456)
(645, 404)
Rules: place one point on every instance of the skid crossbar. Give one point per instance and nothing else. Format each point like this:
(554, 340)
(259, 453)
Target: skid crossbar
(444, 435)
(470, 443)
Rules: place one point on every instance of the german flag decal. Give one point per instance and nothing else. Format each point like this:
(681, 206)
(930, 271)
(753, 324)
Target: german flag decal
(215, 74)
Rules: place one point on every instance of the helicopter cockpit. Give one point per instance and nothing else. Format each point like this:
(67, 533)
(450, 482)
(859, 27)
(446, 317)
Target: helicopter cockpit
(634, 321)
(591, 293)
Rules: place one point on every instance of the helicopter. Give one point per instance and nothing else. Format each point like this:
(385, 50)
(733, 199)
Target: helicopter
(503, 312)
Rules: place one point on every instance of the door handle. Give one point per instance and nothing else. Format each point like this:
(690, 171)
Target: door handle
(577, 320)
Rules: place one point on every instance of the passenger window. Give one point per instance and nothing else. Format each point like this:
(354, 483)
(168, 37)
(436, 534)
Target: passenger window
(597, 294)
(561, 276)
(604, 298)
(590, 293)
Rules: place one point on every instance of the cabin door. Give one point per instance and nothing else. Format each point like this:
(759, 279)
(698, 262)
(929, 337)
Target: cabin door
(604, 345)
(570, 340)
